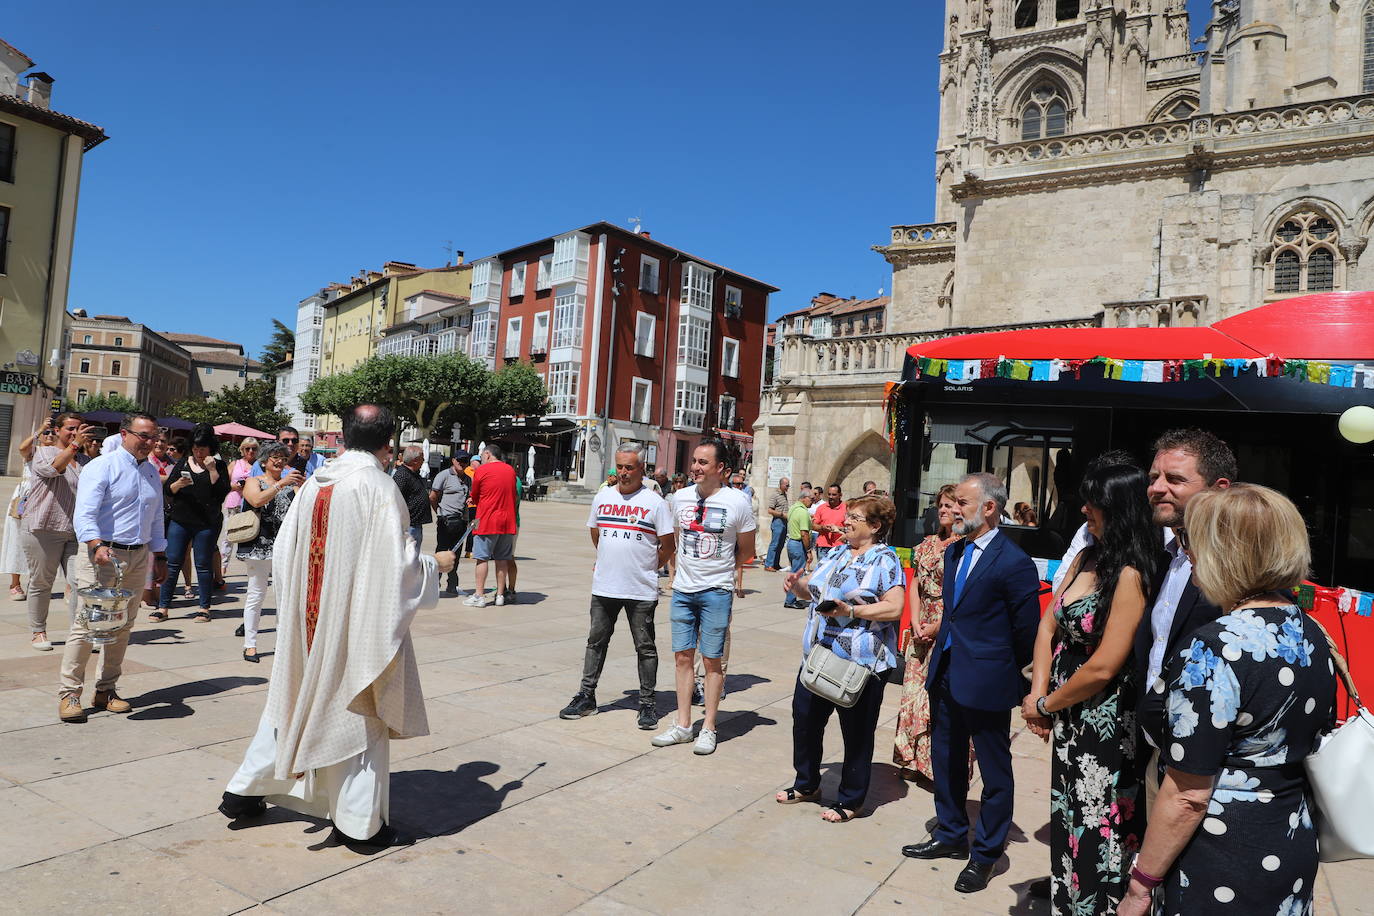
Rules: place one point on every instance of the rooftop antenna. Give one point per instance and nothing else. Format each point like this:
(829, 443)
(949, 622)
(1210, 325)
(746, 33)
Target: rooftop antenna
(448, 248)
(636, 222)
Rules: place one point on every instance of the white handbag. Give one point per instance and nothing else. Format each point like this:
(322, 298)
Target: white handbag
(832, 678)
(1342, 777)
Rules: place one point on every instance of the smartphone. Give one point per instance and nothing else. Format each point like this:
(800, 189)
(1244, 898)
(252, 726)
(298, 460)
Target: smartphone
(185, 475)
(826, 607)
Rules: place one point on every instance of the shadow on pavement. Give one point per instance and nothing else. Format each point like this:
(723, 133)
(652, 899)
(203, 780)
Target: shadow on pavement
(151, 637)
(170, 702)
(740, 724)
(444, 802)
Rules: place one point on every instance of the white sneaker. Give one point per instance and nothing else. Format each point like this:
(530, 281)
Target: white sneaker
(675, 735)
(476, 600)
(500, 600)
(706, 743)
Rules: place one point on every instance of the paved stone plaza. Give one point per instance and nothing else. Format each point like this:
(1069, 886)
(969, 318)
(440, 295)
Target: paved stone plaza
(517, 810)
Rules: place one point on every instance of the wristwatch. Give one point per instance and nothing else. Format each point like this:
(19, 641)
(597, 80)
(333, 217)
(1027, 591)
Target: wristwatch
(1040, 707)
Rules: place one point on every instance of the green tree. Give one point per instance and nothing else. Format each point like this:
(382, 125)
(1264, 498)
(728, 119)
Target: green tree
(107, 401)
(278, 349)
(429, 391)
(255, 405)
(513, 390)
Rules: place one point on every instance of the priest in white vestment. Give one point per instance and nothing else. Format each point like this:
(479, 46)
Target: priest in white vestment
(348, 581)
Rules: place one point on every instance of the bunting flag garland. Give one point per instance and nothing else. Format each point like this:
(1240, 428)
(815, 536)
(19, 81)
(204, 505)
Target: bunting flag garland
(1316, 372)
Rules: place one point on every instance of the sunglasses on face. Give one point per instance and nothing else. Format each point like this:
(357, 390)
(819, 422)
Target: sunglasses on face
(286, 441)
(250, 448)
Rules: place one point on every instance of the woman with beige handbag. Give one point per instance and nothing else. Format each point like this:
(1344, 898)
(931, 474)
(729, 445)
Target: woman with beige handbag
(268, 497)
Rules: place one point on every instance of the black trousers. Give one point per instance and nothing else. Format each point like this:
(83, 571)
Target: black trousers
(858, 723)
(448, 531)
(641, 616)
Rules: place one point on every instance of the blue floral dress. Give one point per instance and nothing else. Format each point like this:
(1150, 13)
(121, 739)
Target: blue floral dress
(1097, 815)
(1245, 703)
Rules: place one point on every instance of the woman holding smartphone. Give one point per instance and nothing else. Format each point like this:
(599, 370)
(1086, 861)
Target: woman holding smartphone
(195, 491)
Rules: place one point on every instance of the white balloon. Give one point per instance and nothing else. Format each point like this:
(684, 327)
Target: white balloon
(1357, 424)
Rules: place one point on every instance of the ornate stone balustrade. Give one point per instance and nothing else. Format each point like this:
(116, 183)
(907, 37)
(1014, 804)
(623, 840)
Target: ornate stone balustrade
(1183, 135)
(1174, 312)
(1190, 61)
(925, 234)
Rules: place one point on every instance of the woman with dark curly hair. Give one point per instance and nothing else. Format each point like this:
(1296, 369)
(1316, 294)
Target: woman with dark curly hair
(1084, 691)
(194, 490)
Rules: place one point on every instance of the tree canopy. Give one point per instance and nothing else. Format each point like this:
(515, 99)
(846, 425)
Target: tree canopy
(255, 405)
(426, 392)
(107, 401)
(278, 349)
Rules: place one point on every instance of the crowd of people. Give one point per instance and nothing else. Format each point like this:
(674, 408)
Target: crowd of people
(1180, 685)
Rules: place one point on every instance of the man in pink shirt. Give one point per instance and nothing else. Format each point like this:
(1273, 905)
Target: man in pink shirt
(829, 519)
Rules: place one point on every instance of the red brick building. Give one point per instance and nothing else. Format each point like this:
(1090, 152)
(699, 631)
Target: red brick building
(637, 341)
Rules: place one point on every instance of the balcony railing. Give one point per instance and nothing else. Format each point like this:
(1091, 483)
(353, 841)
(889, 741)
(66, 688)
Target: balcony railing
(926, 234)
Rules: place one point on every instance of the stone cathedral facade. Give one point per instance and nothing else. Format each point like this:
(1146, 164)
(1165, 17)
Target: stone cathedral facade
(1107, 162)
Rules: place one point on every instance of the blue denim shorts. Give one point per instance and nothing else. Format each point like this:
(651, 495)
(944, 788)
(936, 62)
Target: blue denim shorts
(493, 547)
(700, 620)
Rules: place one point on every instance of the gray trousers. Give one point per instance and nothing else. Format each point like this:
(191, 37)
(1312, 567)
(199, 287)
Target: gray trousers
(641, 616)
(45, 552)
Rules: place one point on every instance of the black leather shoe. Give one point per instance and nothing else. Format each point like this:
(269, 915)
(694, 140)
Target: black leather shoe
(934, 849)
(385, 838)
(973, 878)
(237, 807)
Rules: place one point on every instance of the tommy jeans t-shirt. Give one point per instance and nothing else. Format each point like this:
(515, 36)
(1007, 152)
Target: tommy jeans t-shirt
(627, 548)
(707, 533)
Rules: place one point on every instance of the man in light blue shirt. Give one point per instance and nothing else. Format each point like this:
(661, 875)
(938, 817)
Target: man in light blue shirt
(313, 459)
(118, 519)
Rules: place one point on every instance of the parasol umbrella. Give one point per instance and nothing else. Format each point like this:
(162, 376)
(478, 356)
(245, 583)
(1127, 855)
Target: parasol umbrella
(103, 416)
(239, 431)
(175, 423)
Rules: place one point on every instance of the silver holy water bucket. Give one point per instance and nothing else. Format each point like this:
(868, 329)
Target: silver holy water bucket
(104, 609)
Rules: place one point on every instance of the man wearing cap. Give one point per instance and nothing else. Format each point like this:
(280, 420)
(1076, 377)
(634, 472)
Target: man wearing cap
(449, 495)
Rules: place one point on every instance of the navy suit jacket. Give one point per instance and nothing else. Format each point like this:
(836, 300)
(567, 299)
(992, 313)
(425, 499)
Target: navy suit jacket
(1194, 611)
(992, 627)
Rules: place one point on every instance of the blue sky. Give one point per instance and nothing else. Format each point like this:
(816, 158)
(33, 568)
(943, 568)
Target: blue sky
(261, 150)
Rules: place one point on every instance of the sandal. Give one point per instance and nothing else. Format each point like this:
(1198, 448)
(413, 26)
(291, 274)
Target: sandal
(842, 813)
(159, 615)
(795, 796)
(201, 617)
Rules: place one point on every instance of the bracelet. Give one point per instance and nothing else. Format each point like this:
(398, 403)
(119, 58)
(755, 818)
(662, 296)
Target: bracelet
(1149, 881)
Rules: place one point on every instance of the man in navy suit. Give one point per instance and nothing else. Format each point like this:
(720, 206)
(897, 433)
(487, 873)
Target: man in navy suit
(987, 637)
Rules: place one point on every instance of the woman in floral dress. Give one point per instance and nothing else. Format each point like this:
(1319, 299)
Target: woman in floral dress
(1084, 683)
(911, 749)
(1234, 715)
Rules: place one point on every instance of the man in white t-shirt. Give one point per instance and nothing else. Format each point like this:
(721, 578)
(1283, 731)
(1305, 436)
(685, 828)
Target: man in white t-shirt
(715, 538)
(632, 530)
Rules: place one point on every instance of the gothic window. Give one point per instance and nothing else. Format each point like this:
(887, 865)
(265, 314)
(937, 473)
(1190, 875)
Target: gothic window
(1045, 114)
(1066, 9)
(1305, 254)
(1026, 13)
(1181, 111)
(1369, 48)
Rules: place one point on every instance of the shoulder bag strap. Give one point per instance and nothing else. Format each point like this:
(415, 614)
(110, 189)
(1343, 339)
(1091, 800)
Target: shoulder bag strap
(1342, 668)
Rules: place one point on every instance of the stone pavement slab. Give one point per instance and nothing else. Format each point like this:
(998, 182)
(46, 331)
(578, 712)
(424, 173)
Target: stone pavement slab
(516, 810)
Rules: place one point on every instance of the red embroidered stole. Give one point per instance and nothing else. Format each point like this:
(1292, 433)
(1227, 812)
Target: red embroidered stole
(319, 529)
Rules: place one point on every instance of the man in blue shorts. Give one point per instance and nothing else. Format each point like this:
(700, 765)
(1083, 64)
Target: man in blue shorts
(716, 529)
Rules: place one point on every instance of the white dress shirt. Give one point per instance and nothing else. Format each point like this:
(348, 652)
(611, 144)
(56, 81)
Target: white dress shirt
(119, 499)
(979, 547)
(112, 442)
(1166, 605)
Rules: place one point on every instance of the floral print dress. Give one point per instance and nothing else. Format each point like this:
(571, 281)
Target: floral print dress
(269, 524)
(911, 748)
(1245, 703)
(1097, 798)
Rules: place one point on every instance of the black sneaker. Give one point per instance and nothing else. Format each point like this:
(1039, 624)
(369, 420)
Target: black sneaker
(584, 704)
(648, 715)
(510, 597)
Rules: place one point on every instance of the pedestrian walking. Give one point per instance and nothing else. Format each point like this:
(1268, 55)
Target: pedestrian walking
(777, 511)
(118, 517)
(344, 677)
(414, 490)
(269, 495)
(632, 530)
(493, 492)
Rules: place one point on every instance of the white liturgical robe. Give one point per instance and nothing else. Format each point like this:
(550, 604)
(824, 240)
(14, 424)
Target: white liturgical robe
(348, 580)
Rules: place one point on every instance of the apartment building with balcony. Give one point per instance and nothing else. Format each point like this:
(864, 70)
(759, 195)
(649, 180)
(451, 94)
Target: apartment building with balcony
(111, 354)
(41, 153)
(352, 321)
(636, 340)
